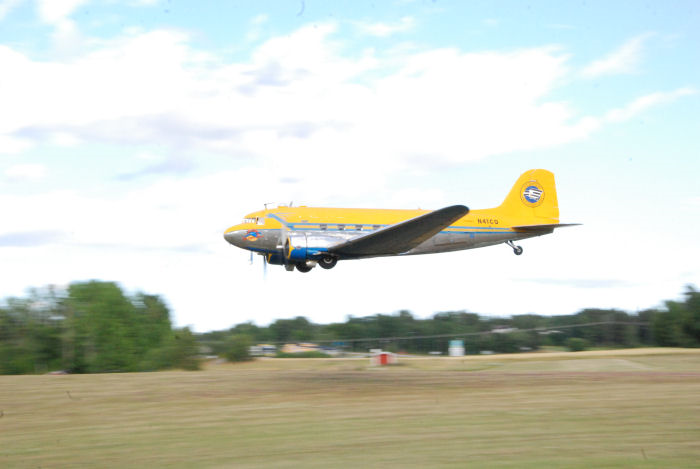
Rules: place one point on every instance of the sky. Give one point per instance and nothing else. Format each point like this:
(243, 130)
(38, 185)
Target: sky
(133, 133)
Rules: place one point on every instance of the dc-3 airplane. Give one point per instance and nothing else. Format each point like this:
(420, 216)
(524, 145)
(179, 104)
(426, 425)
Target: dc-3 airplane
(304, 237)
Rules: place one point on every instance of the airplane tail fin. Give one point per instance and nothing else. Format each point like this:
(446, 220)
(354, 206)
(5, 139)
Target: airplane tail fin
(533, 198)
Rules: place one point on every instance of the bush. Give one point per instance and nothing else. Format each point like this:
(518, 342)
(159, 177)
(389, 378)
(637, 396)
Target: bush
(237, 348)
(576, 344)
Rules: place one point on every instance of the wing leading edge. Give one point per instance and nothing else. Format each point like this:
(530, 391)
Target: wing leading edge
(401, 237)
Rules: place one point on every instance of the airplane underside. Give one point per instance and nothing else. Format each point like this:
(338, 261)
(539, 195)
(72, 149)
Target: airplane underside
(315, 246)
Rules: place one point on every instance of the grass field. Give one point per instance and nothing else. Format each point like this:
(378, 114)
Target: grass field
(638, 408)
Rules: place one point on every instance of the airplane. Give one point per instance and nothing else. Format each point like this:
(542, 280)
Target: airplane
(303, 237)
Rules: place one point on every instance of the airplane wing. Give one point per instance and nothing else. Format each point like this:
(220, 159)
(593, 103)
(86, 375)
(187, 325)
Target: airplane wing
(542, 228)
(401, 237)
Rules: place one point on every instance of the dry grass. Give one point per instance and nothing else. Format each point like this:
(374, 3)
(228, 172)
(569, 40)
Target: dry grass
(602, 410)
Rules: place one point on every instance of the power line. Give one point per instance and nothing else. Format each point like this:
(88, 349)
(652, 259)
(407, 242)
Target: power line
(471, 334)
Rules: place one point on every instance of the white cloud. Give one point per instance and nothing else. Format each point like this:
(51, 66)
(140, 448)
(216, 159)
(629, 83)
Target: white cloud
(256, 27)
(622, 60)
(643, 103)
(26, 172)
(406, 23)
(259, 19)
(299, 96)
(57, 11)
(10, 144)
(66, 37)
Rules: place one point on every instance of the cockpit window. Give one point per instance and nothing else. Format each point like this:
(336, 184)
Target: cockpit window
(249, 220)
(260, 221)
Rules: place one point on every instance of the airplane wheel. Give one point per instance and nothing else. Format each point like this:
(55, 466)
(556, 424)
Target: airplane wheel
(518, 250)
(327, 262)
(303, 268)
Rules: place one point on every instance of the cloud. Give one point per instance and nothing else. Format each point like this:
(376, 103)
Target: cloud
(622, 60)
(171, 165)
(26, 173)
(57, 11)
(405, 24)
(256, 27)
(66, 37)
(10, 144)
(300, 102)
(31, 238)
(643, 103)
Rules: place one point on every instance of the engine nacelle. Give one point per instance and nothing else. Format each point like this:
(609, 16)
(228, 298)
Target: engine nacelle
(295, 248)
(300, 247)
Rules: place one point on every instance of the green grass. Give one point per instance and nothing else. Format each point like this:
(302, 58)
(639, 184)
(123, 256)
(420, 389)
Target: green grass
(614, 409)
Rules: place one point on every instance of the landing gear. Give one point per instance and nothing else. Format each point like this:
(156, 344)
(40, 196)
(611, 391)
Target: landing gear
(517, 250)
(304, 268)
(328, 262)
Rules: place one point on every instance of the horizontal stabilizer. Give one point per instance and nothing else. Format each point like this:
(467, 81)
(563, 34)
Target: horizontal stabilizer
(401, 237)
(542, 228)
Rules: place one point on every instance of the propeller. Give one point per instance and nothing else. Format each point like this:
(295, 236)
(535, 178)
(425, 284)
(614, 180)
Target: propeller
(264, 259)
(284, 229)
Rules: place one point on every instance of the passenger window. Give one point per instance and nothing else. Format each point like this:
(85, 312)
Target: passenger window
(341, 227)
(375, 227)
(323, 226)
(358, 227)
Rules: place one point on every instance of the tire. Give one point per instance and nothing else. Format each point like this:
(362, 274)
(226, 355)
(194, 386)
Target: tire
(327, 262)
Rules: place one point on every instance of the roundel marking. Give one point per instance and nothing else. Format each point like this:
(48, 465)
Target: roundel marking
(532, 194)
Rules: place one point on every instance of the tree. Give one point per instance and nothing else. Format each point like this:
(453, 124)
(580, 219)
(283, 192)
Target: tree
(106, 331)
(237, 348)
(576, 344)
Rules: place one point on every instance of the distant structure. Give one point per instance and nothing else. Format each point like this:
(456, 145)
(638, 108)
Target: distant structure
(263, 350)
(456, 348)
(380, 357)
(300, 348)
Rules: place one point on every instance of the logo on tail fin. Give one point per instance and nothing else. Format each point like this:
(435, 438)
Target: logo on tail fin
(532, 194)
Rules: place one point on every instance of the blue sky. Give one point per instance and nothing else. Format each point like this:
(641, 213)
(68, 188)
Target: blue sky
(132, 134)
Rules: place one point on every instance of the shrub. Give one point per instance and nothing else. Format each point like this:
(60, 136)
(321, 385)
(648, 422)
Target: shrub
(237, 348)
(576, 344)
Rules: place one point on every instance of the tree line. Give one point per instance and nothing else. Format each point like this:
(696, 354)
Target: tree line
(677, 324)
(91, 327)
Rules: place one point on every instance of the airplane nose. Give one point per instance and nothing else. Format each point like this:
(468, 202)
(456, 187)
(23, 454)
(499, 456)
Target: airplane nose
(234, 237)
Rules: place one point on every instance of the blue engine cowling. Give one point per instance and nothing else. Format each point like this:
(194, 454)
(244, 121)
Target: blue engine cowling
(295, 249)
